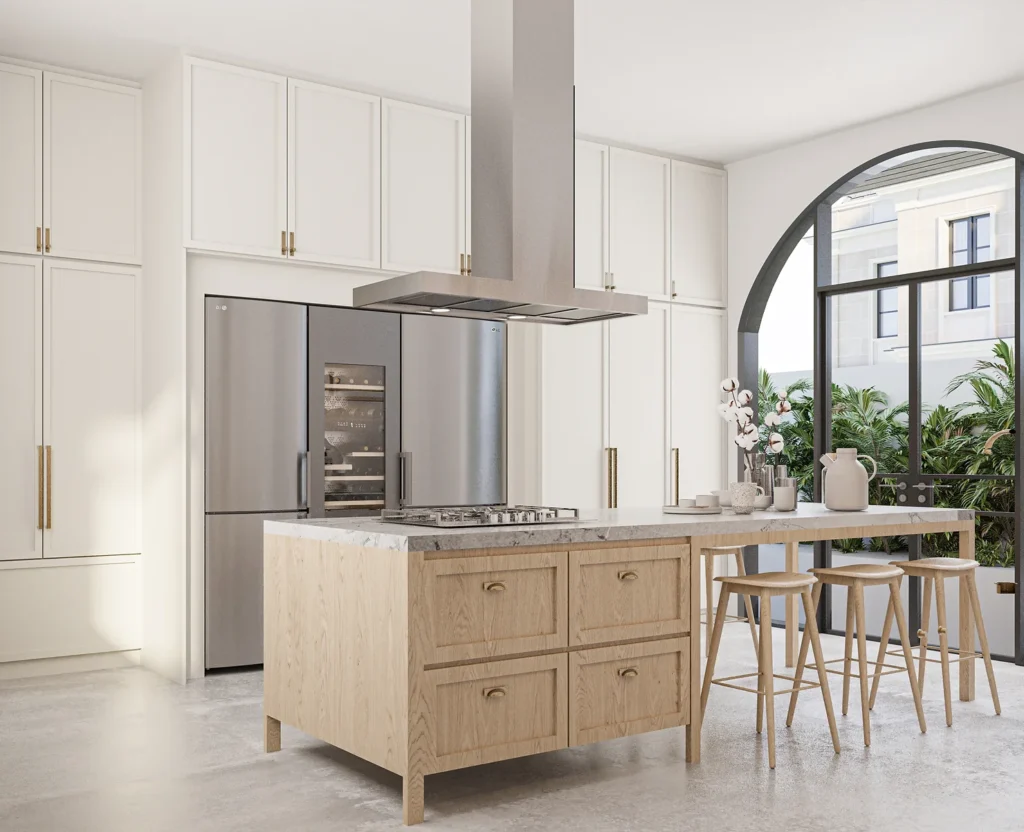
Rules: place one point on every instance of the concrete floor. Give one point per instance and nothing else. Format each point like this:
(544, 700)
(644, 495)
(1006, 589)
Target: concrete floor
(124, 750)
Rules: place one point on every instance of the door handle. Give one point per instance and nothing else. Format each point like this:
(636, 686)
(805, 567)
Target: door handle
(42, 478)
(613, 477)
(304, 479)
(675, 476)
(49, 486)
(46, 246)
(284, 243)
(404, 466)
(291, 243)
(39, 239)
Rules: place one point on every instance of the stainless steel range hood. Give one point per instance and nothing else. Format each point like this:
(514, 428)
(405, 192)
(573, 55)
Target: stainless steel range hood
(522, 174)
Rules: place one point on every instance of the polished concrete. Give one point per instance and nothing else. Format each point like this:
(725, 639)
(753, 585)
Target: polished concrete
(124, 750)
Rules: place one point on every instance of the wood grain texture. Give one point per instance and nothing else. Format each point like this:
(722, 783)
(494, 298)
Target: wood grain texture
(792, 604)
(695, 722)
(806, 535)
(553, 547)
(966, 669)
(470, 618)
(616, 594)
(619, 691)
(271, 734)
(468, 727)
(335, 645)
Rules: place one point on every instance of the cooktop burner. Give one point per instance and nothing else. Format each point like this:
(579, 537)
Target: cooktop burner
(466, 516)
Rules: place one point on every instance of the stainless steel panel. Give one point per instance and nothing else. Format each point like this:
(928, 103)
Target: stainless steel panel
(234, 587)
(351, 336)
(453, 411)
(255, 405)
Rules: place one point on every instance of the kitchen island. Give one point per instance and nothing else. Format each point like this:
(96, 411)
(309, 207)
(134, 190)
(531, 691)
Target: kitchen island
(429, 649)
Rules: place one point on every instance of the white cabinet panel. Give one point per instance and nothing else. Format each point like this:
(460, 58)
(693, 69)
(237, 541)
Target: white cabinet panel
(92, 408)
(591, 215)
(333, 175)
(698, 232)
(639, 222)
(572, 421)
(21, 158)
(424, 188)
(21, 368)
(638, 406)
(698, 367)
(92, 169)
(236, 166)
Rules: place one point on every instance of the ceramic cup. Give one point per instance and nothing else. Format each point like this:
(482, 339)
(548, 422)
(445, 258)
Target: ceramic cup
(686, 502)
(707, 501)
(785, 498)
(762, 501)
(743, 494)
(724, 497)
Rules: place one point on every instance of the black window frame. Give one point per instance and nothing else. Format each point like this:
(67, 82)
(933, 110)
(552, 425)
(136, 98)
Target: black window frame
(972, 257)
(879, 312)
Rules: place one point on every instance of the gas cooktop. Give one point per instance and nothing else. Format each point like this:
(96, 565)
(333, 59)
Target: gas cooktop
(466, 516)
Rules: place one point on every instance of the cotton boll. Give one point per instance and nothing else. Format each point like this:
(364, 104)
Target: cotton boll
(772, 419)
(730, 384)
(744, 397)
(776, 443)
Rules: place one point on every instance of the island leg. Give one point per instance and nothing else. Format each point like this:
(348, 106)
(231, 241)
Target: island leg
(966, 668)
(412, 799)
(693, 727)
(792, 614)
(271, 734)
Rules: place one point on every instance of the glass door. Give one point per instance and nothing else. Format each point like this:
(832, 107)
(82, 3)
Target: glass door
(354, 433)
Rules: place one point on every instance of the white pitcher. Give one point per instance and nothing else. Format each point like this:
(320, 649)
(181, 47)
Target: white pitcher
(845, 480)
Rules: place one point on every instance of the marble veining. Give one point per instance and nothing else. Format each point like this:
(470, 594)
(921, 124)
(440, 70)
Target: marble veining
(604, 525)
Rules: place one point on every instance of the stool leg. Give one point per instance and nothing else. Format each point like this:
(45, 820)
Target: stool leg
(940, 610)
(848, 655)
(862, 660)
(716, 638)
(748, 602)
(767, 671)
(882, 645)
(811, 626)
(709, 583)
(908, 656)
(972, 587)
(926, 617)
(801, 660)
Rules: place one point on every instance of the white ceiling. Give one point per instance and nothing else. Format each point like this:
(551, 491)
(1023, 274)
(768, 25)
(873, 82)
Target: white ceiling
(709, 80)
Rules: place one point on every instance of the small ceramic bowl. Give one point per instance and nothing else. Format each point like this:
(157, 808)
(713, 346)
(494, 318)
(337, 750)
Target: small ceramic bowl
(762, 501)
(724, 497)
(686, 502)
(707, 501)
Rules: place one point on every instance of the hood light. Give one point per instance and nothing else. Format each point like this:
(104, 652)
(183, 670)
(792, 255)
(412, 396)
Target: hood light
(517, 317)
(440, 310)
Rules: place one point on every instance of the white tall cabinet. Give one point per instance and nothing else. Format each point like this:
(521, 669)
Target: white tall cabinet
(639, 222)
(591, 190)
(21, 159)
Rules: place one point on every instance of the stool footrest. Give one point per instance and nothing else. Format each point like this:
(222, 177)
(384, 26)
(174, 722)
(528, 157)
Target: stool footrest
(803, 685)
(959, 658)
(893, 668)
(728, 618)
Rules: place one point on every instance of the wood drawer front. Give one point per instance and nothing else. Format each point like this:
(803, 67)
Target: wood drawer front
(631, 689)
(479, 607)
(498, 710)
(620, 594)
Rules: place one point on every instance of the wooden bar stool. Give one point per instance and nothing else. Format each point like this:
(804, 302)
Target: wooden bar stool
(935, 571)
(766, 586)
(855, 577)
(709, 553)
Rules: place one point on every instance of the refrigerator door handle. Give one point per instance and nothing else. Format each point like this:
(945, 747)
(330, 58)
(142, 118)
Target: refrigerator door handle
(304, 479)
(404, 470)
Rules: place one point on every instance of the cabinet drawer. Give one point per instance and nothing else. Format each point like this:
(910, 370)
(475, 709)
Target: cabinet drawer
(620, 594)
(494, 711)
(478, 607)
(618, 691)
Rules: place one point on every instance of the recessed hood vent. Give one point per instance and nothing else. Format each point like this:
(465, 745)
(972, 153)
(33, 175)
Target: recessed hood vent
(523, 168)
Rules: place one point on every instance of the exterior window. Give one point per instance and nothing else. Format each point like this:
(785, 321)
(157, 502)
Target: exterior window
(887, 325)
(970, 242)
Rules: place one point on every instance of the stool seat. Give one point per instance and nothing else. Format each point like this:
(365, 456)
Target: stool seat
(931, 566)
(769, 580)
(859, 571)
(720, 550)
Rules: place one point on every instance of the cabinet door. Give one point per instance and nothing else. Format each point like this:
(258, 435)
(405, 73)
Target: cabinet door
(91, 396)
(638, 406)
(92, 169)
(572, 416)
(424, 188)
(21, 159)
(333, 175)
(698, 366)
(698, 232)
(21, 380)
(639, 211)
(236, 165)
(591, 215)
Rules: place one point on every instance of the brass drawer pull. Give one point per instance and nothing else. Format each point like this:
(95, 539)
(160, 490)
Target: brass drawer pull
(39, 238)
(46, 246)
(628, 672)
(291, 243)
(49, 486)
(42, 480)
(284, 243)
(629, 575)
(494, 586)
(494, 693)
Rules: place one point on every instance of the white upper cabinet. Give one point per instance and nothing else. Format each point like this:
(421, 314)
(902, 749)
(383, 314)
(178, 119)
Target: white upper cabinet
(638, 406)
(21, 159)
(639, 212)
(91, 423)
(21, 438)
(92, 169)
(333, 175)
(698, 232)
(424, 188)
(236, 165)
(591, 215)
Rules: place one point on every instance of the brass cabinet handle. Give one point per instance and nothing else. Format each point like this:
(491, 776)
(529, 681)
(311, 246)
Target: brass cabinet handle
(675, 476)
(495, 693)
(673, 287)
(284, 243)
(291, 243)
(629, 575)
(39, 238)
(611, 478)
(494, 586)
(611, 281)
(469, 264)
(42, 477)
(615, 471)
(47, 244)
(49, 486)
(462, 263)
(628, 672)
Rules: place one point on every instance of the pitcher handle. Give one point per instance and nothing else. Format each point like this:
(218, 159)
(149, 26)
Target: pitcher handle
(760, 490)
(874, 465)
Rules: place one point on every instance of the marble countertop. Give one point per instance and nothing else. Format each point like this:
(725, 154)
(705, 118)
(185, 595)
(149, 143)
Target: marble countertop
(604, 525)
